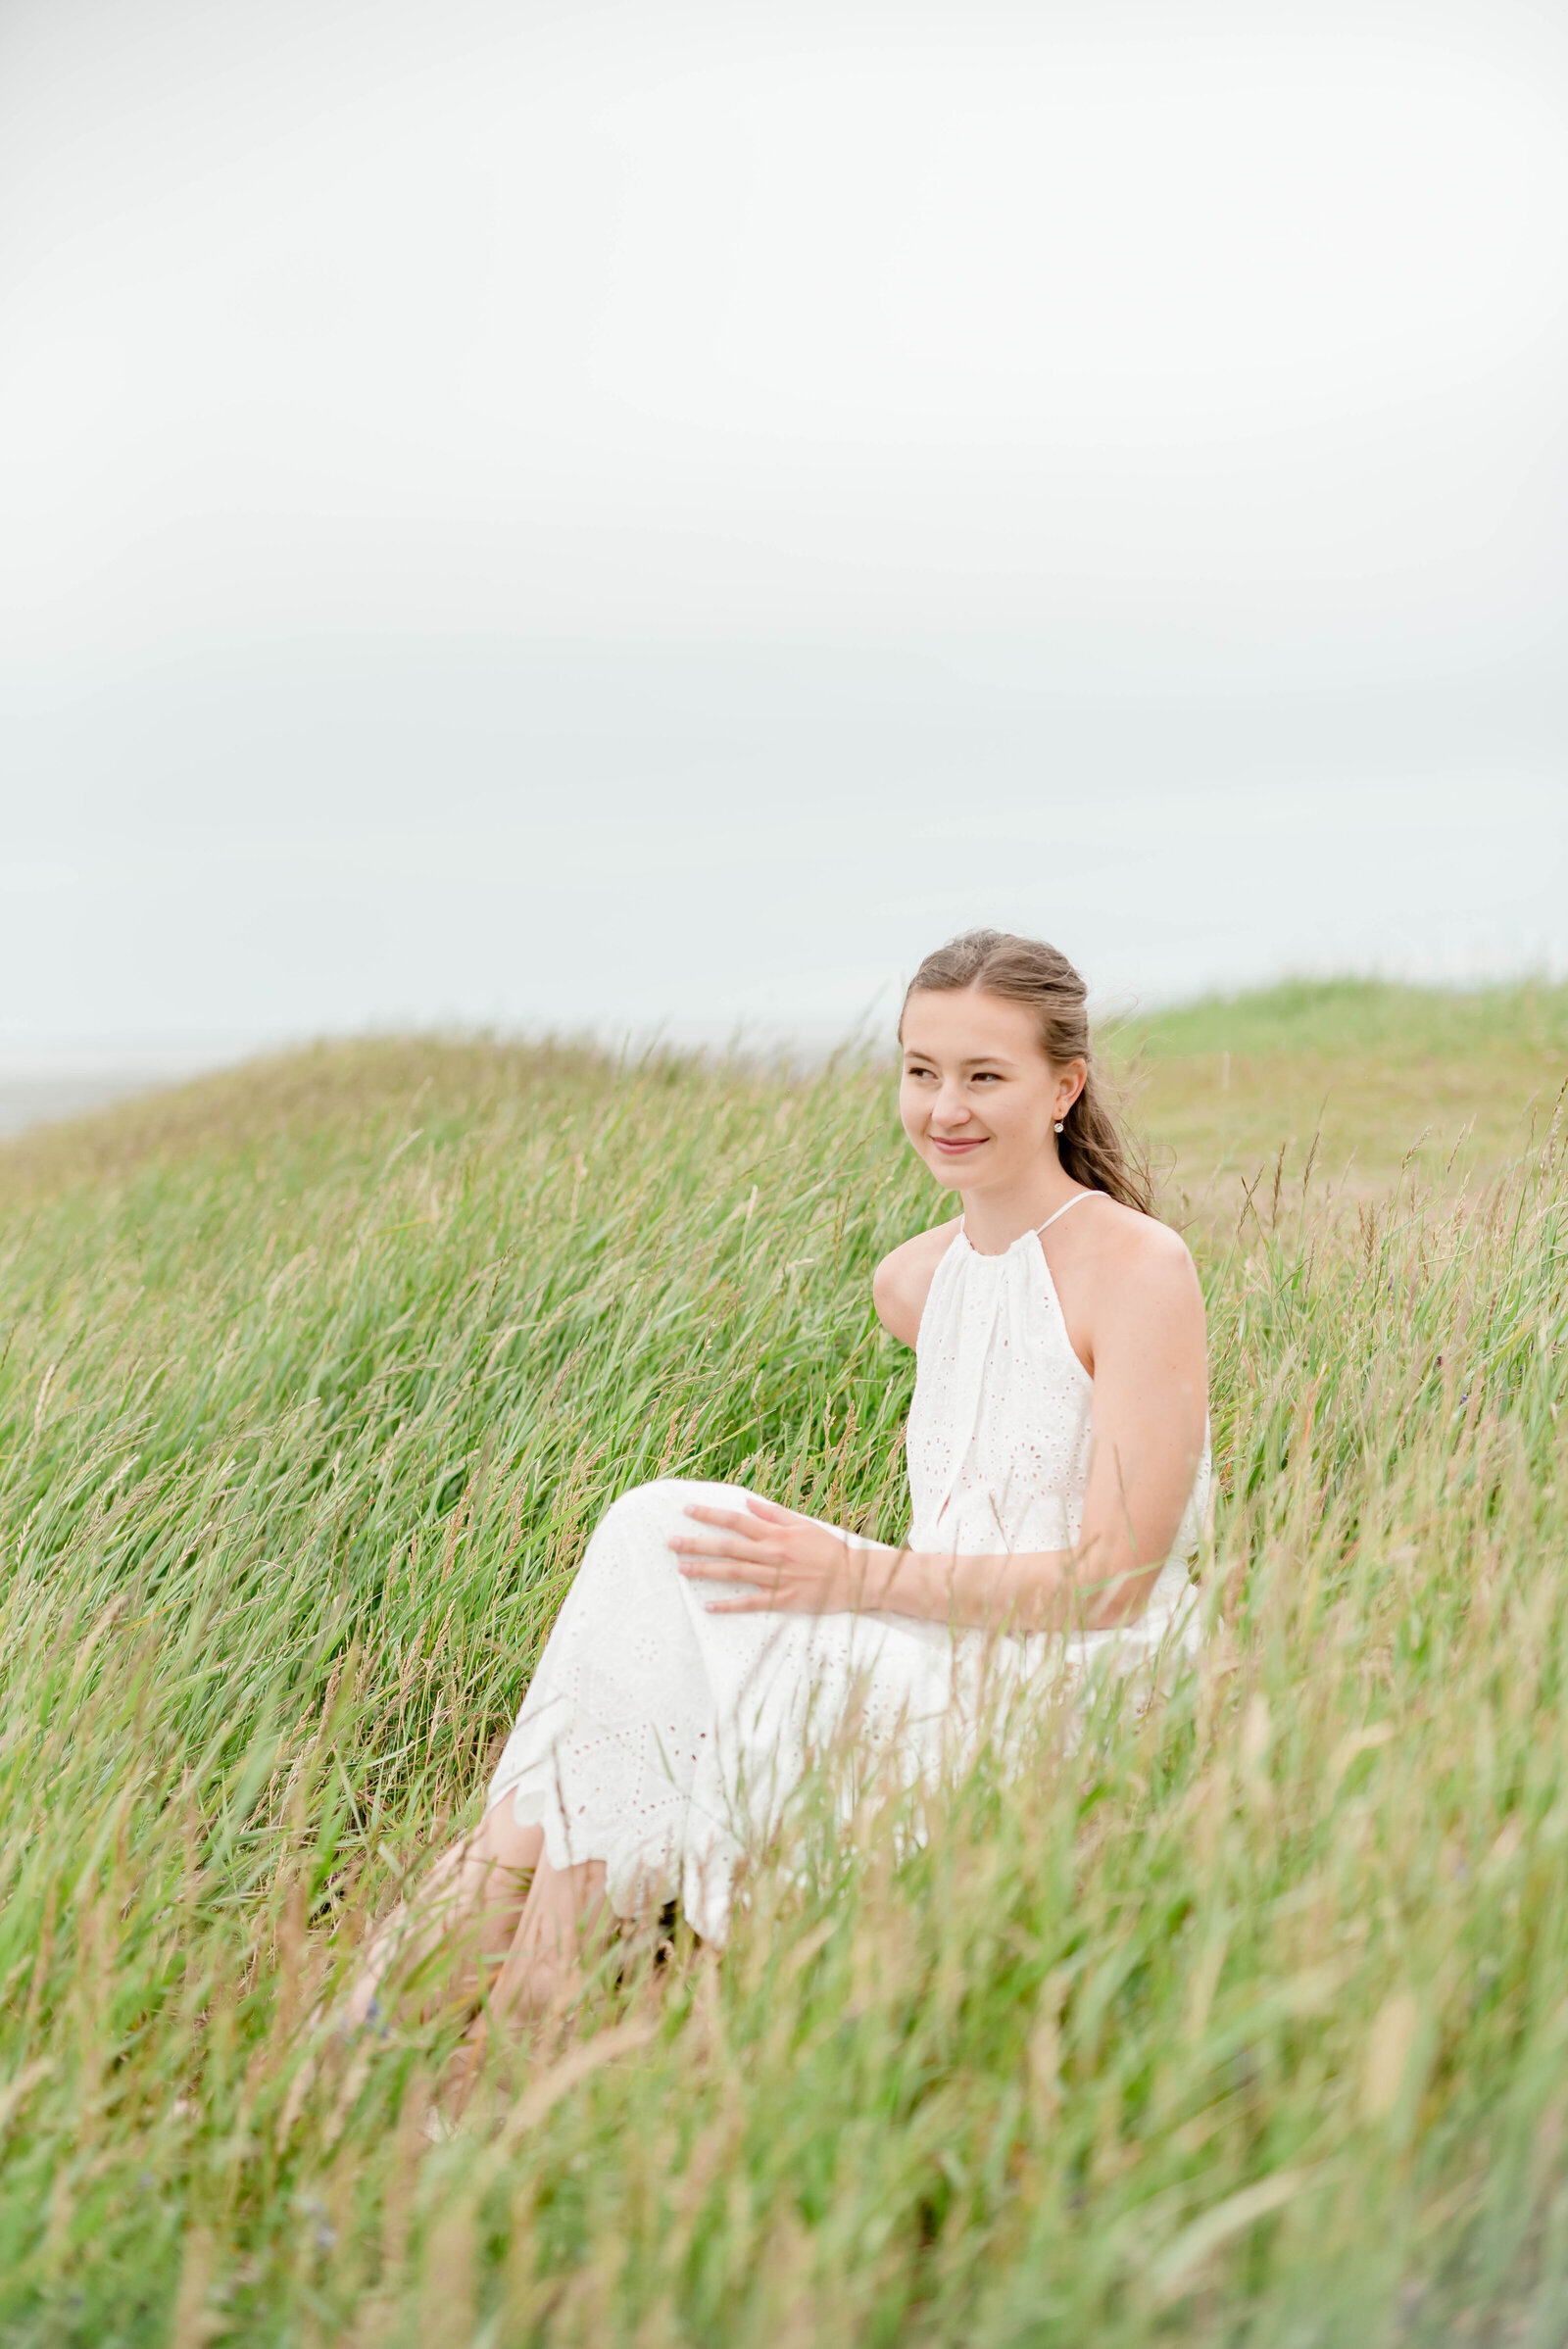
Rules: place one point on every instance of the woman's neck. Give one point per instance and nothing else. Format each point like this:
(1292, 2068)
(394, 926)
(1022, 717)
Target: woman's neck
(994, 1219)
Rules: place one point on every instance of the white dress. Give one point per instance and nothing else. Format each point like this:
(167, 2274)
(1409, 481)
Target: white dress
(663, 1741)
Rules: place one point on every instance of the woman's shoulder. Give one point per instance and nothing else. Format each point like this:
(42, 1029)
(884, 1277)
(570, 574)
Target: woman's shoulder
(902, 1281)
(1130, 1264)
(1130, 1235)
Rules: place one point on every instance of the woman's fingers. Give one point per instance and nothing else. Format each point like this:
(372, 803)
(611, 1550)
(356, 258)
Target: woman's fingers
(774, 1512)
(751, 1546)
(766, 1596)
(732, 1521)
(686, 1545)
(716, 1568)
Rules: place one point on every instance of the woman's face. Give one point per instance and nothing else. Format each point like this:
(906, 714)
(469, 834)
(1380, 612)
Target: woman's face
(978, 1098)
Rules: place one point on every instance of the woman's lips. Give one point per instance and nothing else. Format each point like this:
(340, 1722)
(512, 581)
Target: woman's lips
(959, 1148)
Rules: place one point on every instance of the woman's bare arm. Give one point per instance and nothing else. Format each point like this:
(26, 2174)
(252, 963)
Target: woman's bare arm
(1145, 1338)
(901, 1282)
(1149, 1427)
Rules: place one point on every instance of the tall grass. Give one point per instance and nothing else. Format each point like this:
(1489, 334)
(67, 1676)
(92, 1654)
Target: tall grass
(1246, 2019)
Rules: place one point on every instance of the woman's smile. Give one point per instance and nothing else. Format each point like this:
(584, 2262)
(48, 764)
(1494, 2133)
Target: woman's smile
(957, 1145)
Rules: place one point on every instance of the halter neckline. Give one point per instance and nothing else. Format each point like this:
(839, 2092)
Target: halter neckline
(1065, 1209)
(1077, 1200)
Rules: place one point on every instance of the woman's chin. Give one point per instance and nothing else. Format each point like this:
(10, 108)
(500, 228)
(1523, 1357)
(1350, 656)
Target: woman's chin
(954, 1173)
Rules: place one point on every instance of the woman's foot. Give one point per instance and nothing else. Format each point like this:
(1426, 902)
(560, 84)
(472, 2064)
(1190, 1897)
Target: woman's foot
(478, 1887)
(565, 1926)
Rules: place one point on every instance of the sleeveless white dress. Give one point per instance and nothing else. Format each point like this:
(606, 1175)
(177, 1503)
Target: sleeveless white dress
(664, 1741)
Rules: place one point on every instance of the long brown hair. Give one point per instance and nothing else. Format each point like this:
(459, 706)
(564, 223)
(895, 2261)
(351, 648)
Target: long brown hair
(1092, 1146)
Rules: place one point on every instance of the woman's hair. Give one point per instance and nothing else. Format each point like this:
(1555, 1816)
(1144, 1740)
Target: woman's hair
(1092, 1146)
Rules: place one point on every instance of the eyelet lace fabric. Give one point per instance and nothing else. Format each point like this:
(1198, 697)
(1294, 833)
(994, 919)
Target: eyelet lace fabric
(665, 1742)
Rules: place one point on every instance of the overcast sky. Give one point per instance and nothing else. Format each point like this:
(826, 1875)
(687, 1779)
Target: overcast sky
(617, 514)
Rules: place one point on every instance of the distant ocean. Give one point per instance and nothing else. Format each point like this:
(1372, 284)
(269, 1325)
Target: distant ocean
(55, 1082)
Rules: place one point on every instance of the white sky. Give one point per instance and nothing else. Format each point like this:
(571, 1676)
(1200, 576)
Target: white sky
(621, 513)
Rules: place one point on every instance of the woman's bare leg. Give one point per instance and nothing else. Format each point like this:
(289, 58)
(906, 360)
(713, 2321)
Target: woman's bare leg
(477, 1883)
(565, 1923)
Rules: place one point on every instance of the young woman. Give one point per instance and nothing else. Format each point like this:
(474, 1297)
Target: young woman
(1058, 1460)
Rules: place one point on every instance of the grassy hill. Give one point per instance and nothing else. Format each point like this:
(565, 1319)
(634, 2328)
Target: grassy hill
(1379, 1077)
(1245, 2021)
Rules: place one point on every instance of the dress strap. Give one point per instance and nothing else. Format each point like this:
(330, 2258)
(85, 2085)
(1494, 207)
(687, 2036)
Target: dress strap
(1077, 1200)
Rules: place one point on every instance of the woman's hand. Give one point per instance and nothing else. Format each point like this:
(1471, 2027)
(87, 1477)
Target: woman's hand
(795, 1565)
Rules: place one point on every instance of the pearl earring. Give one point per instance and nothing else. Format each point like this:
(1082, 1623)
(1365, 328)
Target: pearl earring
(1058, 1125)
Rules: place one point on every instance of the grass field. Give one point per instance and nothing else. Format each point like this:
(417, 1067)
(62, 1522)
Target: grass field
(1246, 2023)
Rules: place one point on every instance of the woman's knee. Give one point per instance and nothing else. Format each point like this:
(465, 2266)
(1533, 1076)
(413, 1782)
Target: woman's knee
(663, 1503)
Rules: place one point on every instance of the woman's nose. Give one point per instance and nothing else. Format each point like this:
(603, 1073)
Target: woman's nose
(951, 1108)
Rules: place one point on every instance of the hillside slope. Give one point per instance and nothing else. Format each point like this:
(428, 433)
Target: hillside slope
(1242, 2019)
